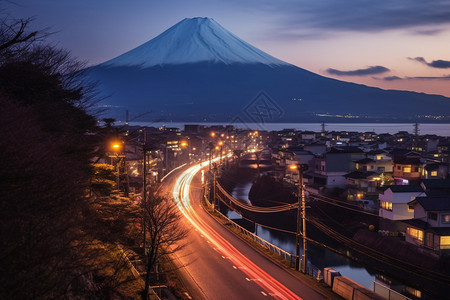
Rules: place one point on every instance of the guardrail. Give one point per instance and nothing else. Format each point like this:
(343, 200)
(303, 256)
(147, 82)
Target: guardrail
(288, 257)
(388, 293)
(271, 247)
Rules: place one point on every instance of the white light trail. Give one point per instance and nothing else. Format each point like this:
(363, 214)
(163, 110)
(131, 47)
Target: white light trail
(181, 193)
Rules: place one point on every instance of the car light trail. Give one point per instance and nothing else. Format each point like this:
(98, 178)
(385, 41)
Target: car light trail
(263, 279)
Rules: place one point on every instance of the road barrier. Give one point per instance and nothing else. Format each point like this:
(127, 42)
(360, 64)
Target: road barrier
(271, 247)
(286, 256)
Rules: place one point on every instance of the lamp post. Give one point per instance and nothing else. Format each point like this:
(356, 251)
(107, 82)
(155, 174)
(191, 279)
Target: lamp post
(116, 147)
(216, 205)
(301, 213)
(221, 147)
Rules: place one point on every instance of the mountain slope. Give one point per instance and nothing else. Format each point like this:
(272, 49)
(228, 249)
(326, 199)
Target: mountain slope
(198, 71)
(192, 41)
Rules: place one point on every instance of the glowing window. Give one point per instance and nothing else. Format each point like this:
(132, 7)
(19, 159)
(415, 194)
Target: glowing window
(433, 173)
(415, 233)
(413, 291)
(386, 205)
(445, 242)
(445, 218)
(407, 169)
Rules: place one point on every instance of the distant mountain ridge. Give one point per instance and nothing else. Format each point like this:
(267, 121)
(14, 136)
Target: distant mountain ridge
(198, 71)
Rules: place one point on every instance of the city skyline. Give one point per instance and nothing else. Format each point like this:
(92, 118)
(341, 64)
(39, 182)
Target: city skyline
(389, 44)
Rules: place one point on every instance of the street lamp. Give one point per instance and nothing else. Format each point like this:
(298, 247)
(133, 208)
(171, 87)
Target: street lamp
(221, 145)
(301, 203)
(116, 147)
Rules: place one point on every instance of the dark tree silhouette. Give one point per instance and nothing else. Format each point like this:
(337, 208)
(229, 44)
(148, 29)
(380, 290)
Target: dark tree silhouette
(165, 234)
(45, 167)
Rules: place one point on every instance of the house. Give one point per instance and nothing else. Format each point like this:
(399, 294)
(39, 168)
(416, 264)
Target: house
(394, 201)
(308, 137)
(436, 187)
(430, 228)
(298, 156)
(330, 168)
(316, 148)
(435, 170)
(362, 184)
(378, 166)
(407, 170)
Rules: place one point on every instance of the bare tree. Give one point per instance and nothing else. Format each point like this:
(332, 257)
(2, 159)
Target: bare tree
(45, 166)
(164, 232)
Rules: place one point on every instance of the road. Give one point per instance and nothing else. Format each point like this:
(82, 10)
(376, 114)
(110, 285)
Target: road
(216, 264)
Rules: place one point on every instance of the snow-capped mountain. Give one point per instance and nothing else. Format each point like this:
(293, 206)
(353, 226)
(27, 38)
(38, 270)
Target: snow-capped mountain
(192, 41)
(198, 71)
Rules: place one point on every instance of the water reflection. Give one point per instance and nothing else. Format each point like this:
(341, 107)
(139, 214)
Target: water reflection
(320, 256)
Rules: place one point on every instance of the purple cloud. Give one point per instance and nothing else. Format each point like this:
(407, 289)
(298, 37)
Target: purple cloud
(438, 64)
(373, 70)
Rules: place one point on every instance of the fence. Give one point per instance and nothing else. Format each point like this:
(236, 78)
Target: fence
(387, 292)
(290, 258)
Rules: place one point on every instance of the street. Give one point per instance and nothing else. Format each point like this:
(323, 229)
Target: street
(216, 264)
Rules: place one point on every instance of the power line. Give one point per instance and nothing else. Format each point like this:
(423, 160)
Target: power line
(349, 208)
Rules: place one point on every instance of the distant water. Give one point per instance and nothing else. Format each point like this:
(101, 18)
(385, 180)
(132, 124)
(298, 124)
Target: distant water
(391, 128)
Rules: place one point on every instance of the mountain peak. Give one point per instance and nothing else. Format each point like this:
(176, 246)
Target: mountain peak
(193, 40)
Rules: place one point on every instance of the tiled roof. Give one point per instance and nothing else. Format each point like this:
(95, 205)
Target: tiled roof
(360, 174)
(436, 183)
(364, 161)
(434, 203)
(408, 161)
(406, 188)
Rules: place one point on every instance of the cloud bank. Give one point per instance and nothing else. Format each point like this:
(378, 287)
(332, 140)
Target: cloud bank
(422, 17)
(438, 64)
(360, 72)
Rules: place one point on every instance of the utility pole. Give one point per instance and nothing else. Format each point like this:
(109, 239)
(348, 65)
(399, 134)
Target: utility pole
(301, 214)
(416, 136)
(144, 188)
(214, 189)
(302, 189)
(323, 127)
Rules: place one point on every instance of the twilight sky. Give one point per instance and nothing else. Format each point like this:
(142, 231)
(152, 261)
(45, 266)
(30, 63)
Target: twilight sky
(392, 44)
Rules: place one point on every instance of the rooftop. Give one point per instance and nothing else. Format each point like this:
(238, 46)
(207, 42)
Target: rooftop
(436, 183)
(364, 161)
(433, 203)
(405, 188)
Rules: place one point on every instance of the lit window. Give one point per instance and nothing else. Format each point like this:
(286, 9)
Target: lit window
(379, 157)
(434, 173)
(445, 242)
(386, 205)
(410, 208)
(407, 169)
(413, 291)
(445, 218)
(415, 233)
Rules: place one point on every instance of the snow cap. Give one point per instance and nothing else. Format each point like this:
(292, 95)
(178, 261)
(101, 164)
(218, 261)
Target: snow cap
(194, 40)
